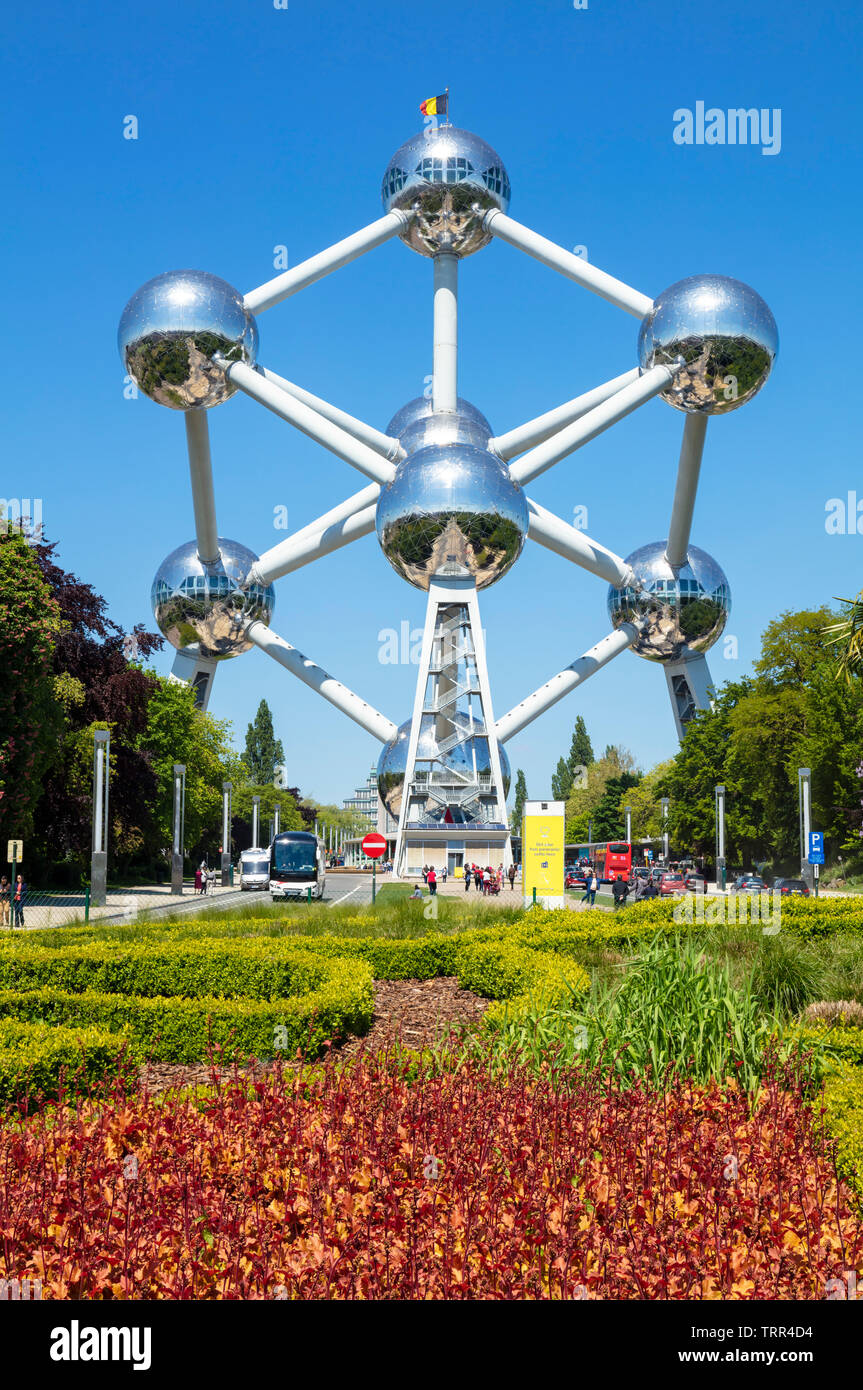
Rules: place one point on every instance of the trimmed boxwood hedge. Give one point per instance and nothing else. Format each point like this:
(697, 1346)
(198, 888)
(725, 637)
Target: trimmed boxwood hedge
(33, 1056)
(166, 1029)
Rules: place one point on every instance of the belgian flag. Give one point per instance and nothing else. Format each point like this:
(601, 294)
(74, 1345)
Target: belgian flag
(436, 106)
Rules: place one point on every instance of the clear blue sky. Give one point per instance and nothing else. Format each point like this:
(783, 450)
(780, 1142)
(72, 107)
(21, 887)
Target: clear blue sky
(259, 127)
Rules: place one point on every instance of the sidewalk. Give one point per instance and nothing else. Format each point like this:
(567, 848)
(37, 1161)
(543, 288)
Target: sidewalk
(123, 904)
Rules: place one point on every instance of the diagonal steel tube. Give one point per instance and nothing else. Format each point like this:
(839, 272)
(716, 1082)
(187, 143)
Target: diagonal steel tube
(333, 258)
(584, 666)
(536, 431)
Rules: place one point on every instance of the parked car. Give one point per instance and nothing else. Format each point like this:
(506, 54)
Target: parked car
(671, 883)
(574, 878)
(792, 885)
(696, 881)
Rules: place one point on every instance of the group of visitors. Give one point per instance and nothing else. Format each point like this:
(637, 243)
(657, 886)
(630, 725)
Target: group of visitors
(205, 879)
(487, 880)
(12, 900)
(642, 887)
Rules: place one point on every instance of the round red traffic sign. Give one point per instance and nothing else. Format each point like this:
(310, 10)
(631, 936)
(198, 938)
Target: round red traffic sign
(374, 846)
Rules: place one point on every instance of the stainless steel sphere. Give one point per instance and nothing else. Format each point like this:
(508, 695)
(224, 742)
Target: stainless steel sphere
(724, 332)
(453, 178)
(452, 510)
(175, 328)
(392, 762)
(417, 424)
(686, 609)
(206, 605)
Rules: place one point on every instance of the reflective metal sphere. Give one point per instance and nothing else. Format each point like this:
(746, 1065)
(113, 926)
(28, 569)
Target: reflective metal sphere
(392, 762)
(686, 610)
(172, 331)
(453, 178)
(417, 424)
(726, 335)
(202, 604)
(453, 510)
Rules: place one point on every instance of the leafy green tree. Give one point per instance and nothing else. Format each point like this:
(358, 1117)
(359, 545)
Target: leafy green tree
(609, 819)
(646, 802)
(31, 715)
(518, 803)
(264, 752)
(580, 750)
(561, 781)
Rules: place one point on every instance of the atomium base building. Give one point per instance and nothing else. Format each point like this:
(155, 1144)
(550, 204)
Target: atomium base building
(445, 496)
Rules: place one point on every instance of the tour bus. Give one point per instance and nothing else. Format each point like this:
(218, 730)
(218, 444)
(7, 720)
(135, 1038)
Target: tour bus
(297, 863)
(255, 868)
(614, 862)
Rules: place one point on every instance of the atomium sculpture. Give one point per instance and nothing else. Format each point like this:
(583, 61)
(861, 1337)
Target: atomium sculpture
(446, 495)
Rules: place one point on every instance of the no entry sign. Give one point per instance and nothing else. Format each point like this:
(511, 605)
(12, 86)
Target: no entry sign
(374, 846)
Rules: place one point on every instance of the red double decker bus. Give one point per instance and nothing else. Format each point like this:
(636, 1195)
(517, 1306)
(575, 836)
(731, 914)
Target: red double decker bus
(615, 861)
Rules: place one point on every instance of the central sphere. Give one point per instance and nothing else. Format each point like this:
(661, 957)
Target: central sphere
(206, 605)
(686, 609)
(452, 178)
(725, 334)
(471, 756)
(452, 510)
(173, 332)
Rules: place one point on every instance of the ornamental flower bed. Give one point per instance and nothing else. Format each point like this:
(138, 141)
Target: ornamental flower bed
(367, 1180)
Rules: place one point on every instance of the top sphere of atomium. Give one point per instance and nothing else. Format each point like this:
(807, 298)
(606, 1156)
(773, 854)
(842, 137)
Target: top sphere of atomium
(208, 606)
(452, 510)
(686, 609)
(176, 333)
(726, 335)
(452, 178)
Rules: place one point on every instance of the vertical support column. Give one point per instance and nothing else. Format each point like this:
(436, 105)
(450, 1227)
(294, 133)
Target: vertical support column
(804, 805)
(177, 847)
(256, 820)
(201, 478)
(664, 804)
(227, 788)
(445, 379)
(101, 784)
(689, 687)
(720, 837)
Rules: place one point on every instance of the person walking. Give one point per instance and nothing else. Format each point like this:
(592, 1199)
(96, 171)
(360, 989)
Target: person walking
(197, 880)
(619, 891)
(431, 880)
(425, 873)
(19, 897)
(640, 888)
(467, 877)
(590, 889)
(443, 873)
(510, 873)
(5, 901)
(479, 877)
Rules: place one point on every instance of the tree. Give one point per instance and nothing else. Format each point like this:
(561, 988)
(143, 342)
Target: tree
(30, 714)
(518, 803)
(561, 781)
(580, 750)
(609, 819)
(264, 752)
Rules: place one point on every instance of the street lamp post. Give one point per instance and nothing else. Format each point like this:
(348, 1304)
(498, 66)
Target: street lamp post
(277, 818)
(719, 794)
(227, 788)
(178, 848)
(627, 810)
(664, 805)
(804, 811)
(256, 818)
(101, 783)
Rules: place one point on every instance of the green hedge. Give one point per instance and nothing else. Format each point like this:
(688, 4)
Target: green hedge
(518, 979)
(843, 1099)
(254, 969)
(173, 1029)
(33, 1056)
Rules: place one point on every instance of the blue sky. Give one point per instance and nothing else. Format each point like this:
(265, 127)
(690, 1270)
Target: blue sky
(260, 127)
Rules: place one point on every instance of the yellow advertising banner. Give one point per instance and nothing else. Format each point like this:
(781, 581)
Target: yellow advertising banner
(542, 842)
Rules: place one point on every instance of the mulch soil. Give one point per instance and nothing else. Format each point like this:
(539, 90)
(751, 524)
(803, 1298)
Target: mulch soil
(418, 1013)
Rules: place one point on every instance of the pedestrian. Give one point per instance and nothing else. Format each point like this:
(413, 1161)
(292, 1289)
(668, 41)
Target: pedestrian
(18, 899)
(467, 877)
(443, 873)
(425, 873)
(510, 873)
(5, 900)
(619, 890)
(211, 882)
(431, 880)
(591, 885)
(640, 888)
(480, 879)
(198, 877)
